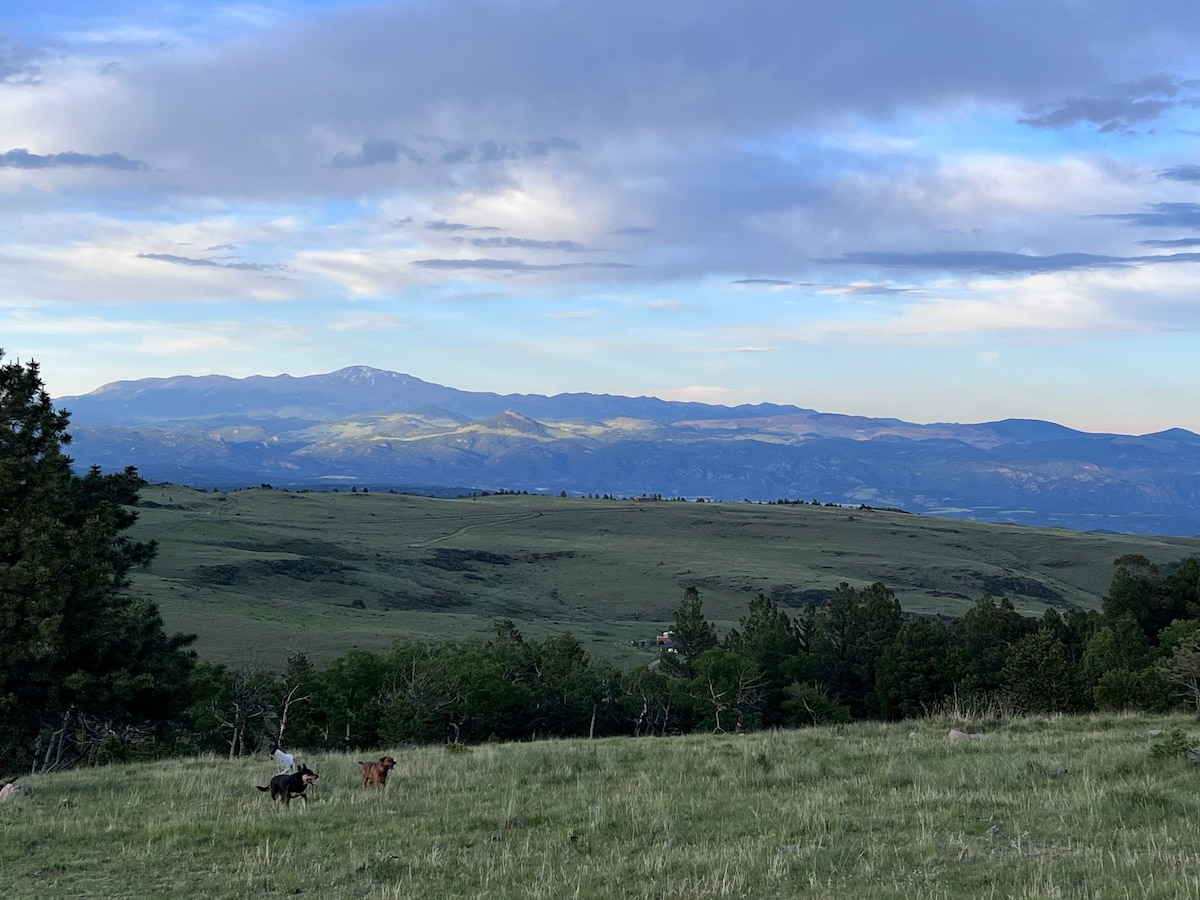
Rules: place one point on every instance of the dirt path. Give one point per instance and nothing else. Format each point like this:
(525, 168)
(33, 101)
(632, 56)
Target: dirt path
(492, 522)
(499, 520)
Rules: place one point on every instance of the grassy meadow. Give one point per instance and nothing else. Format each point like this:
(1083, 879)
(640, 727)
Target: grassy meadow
(258, 574)
(1041, 807)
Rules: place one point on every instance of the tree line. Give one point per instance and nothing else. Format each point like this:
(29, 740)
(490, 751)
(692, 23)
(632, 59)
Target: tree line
(89, 674)
(853, 656)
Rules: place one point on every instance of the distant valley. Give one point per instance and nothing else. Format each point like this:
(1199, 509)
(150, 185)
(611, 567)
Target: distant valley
(368, 428)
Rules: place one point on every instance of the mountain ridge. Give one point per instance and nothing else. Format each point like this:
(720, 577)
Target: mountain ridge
(390, 430)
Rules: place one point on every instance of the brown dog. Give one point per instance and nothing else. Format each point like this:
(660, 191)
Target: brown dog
(285, 787)
(375, 772)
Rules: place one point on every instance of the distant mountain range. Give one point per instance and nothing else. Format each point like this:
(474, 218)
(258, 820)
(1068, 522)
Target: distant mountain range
(383, 430)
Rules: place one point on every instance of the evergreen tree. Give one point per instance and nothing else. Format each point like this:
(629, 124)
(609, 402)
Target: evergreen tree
(769, 637)
(565, 696)
(1181, 593)
(82, 664)
(918, 670)
(987, 633)
(1121, 645)
(1039, 677)
(693, 634)
(1137, 590)
(851, 632)
(831, 642)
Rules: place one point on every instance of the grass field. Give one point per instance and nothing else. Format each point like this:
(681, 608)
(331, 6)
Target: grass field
(1056, 807)
(260, 573)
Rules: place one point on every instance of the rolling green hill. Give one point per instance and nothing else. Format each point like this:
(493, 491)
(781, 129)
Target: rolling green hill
(261, 573)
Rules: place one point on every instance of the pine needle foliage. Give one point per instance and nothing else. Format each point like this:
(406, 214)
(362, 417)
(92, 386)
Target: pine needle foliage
(82, 662)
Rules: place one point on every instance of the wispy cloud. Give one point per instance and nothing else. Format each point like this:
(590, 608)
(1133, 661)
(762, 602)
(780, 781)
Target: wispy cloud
(211, 263)
(524, 244)
(1181, 173)
(376, 152)
(23, 159)
(510, 265)
(999, 263)
(1176, 244)
(19, 63)
(861, 289)
(1162, 215)
(1119, 109)
(458, 226)
(389, 151)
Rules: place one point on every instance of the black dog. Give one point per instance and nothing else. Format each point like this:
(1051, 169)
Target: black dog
(285, 787)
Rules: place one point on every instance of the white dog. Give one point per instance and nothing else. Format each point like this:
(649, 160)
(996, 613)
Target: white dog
(285, 761)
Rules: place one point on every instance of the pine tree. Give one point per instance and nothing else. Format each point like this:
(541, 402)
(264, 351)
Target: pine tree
(692, 633)
(768, 635)
(82, 664)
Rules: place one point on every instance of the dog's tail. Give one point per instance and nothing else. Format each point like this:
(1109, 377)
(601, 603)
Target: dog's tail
(267, 788)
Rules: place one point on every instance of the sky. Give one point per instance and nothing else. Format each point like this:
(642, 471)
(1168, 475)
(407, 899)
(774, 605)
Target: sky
(937, 211)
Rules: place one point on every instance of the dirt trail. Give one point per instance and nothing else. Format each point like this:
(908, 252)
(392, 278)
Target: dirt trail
(499, 520)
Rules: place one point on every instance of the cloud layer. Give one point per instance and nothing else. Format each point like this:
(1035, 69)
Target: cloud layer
(991, 208)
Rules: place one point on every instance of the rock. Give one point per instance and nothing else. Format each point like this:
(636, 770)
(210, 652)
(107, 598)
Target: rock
(956, 735)
(12, 789)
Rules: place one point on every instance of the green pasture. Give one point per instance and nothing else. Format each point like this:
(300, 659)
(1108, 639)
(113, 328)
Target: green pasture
(1040, 808)
(261, 573)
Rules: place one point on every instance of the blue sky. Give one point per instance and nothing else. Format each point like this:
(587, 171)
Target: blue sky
(953, 210)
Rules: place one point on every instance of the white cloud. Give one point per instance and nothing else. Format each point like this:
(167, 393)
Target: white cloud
(363, 273)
